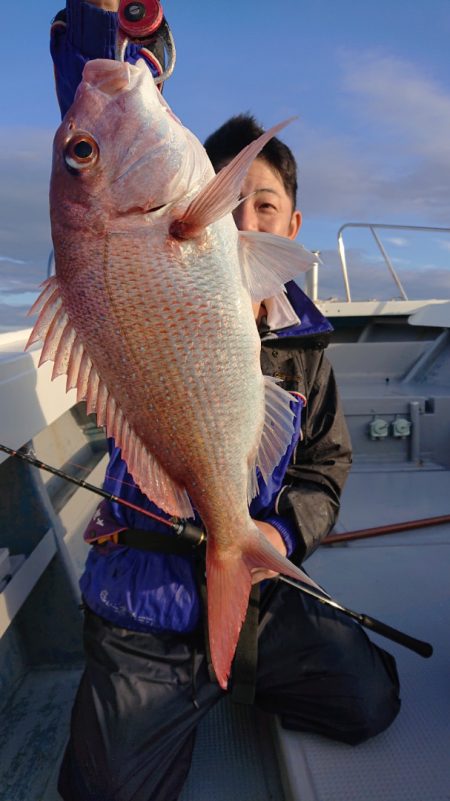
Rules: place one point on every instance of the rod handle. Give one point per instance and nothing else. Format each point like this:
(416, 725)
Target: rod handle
(422, 648)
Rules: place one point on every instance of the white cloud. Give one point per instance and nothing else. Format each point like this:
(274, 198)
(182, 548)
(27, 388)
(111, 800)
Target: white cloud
(391, 160)
(10, 260)
(398, 261)
(399, 97)
(398, 241)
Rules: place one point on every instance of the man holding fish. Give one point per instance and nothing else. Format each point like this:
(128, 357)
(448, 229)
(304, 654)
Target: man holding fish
(150, 316)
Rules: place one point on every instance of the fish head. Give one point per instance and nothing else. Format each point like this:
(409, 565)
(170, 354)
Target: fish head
(120, 151)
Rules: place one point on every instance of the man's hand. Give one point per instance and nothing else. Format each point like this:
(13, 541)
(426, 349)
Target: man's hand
(275, 538)
(106, 5)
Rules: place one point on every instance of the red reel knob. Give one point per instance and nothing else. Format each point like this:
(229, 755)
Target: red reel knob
(140, 19)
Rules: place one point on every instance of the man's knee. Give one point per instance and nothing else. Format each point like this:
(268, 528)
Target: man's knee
(366, 688)
(370, 692)
(378, 702)
(348, 707)
(326, 677)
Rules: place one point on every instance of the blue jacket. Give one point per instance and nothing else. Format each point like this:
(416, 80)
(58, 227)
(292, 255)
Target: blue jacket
(136, 589)
(144, 590)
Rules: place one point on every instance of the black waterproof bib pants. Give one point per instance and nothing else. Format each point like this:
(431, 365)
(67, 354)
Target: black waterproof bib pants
(141, 696)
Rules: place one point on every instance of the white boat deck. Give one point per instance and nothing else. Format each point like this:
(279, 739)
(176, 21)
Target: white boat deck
(403, 580)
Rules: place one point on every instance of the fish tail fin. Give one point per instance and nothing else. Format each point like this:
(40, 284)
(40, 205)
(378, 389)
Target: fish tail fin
(229, 583)
(228, 588)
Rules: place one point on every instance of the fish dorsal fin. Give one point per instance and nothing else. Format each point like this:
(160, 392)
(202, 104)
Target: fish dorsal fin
(63, 346)
(222, 193)
(268, 261)
(278, 430)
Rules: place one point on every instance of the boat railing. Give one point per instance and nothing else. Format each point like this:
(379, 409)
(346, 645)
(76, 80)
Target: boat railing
(51, 264)
(374, 228)
(312, 276)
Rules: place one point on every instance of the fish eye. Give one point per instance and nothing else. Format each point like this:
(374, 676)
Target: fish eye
(81, 152)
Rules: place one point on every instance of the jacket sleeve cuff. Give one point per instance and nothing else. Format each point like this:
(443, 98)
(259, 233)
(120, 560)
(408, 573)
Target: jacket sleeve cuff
(92, 31)
(287, 531)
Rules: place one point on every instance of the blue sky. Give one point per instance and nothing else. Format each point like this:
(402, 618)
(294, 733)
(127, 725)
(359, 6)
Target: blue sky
(368, 82)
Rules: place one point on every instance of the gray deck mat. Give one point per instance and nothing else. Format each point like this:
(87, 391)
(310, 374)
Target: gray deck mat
(233, 758)
(403, 580)
(383, 494)
(33, 730)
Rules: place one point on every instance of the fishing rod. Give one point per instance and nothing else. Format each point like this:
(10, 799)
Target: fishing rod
(182, 527)
(196, 537)
(419, 646)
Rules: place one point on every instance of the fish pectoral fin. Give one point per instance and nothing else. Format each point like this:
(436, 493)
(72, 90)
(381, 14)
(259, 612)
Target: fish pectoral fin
(222, 193)
(268, 261)
(278, 430)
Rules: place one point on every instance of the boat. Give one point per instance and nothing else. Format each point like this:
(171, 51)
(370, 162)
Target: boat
(392, 362)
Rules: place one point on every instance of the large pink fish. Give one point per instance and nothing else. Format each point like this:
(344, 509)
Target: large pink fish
(150, 316)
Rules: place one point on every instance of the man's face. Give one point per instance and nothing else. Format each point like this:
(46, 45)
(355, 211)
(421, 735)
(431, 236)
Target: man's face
(268, 207)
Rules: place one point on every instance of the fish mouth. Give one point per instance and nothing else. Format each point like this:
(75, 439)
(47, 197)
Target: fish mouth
(112, 77)
(144, 210)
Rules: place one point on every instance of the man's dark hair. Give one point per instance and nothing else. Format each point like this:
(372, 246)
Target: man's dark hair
(225, 143)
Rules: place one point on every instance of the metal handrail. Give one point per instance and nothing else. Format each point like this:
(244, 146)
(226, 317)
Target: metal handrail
(372, 228)
(51, 264)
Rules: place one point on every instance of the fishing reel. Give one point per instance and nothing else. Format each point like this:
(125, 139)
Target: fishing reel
(143, 23)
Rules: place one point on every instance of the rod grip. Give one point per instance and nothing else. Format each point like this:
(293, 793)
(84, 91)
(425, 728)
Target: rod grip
(422, 648)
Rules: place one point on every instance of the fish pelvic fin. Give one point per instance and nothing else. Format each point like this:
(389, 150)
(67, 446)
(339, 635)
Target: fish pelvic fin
(63, 346)
(228, 589)
(222, 193)
(278, 431)
(268, 261)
